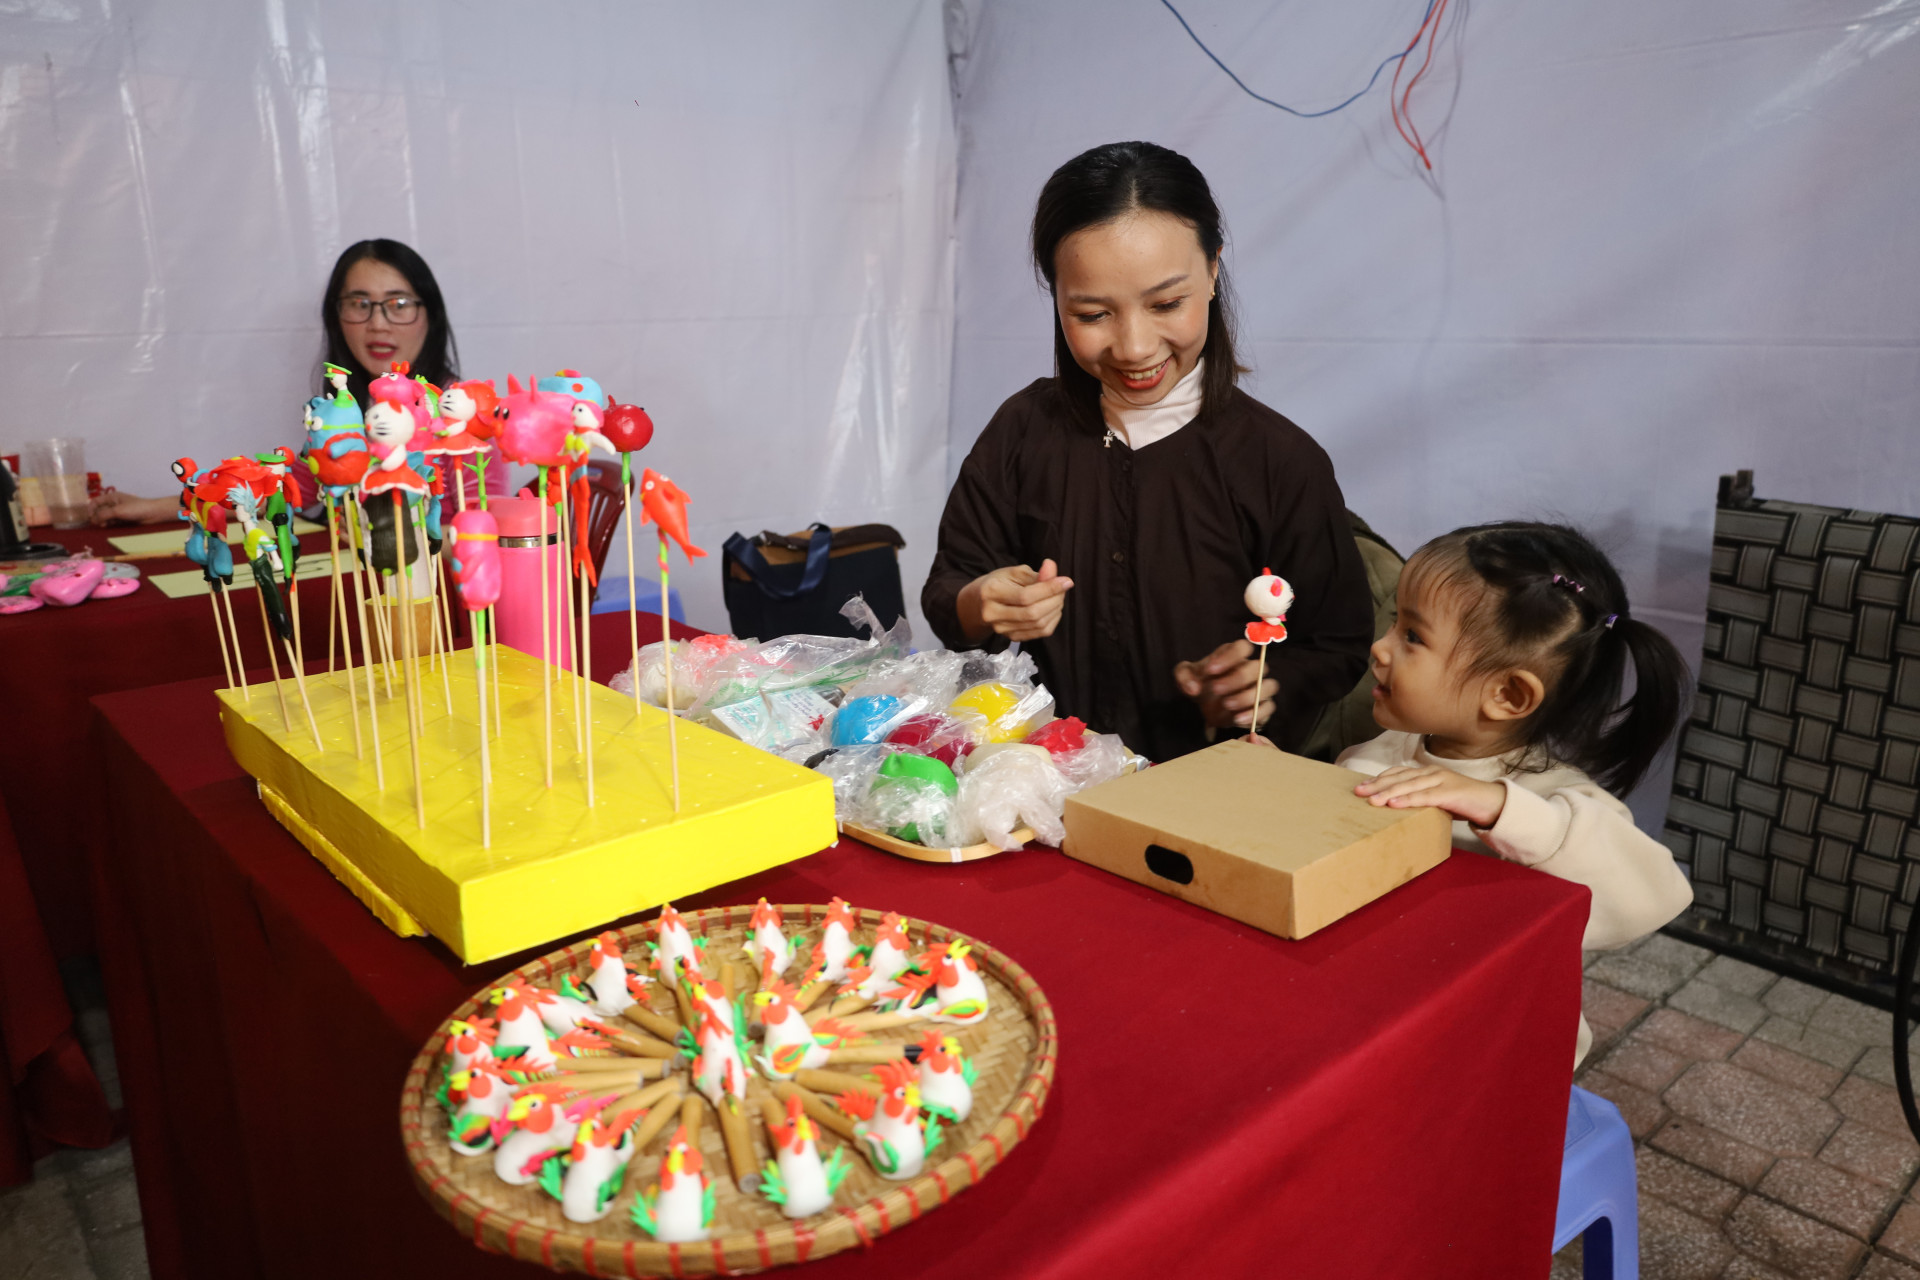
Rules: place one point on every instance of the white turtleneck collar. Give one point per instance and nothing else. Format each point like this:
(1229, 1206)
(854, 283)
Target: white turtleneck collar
(1138, 428)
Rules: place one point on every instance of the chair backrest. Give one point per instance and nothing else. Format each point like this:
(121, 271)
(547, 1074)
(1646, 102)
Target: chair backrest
(1350, 720)
(608, 500)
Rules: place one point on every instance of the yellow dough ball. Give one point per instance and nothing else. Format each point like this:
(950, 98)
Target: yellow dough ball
(992, 700)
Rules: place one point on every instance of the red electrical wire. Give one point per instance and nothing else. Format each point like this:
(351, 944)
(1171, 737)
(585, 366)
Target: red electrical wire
(1399, 102)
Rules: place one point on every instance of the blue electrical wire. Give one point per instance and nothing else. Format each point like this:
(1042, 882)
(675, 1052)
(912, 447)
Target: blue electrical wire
(1292, 111)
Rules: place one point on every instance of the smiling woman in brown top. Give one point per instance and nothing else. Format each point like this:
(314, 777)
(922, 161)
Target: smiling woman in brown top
(1111, 516)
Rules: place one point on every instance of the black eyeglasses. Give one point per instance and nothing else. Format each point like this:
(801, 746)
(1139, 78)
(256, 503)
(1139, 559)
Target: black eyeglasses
(357, 308)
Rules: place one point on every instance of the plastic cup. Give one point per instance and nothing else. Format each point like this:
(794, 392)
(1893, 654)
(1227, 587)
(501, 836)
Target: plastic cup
(61, 467)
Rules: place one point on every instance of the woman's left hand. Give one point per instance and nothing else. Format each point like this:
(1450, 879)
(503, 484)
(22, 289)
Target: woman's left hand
(1433, 787)
(1222, 683)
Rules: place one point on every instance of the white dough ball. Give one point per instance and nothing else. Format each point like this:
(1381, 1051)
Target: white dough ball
(1268, 596)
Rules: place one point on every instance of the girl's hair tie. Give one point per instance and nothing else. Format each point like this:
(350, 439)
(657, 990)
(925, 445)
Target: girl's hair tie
(1561, 580)
(1609, 620)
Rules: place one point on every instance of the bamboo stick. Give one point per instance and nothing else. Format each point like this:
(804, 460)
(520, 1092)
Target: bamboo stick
(829, 1082)
(366, 649)
(824, 1113)
(412, 658)
(220, 630)
(738, 1134)
(867, 1055)
(658, 1024)
(337, 604)
(273, 655)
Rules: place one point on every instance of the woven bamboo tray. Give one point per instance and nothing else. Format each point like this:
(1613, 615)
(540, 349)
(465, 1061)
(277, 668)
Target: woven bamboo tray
(1013, 1051)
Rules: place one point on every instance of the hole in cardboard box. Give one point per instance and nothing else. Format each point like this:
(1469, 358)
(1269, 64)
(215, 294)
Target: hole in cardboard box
(1168, 865)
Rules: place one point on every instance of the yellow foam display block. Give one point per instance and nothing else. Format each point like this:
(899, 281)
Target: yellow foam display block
(555, 867)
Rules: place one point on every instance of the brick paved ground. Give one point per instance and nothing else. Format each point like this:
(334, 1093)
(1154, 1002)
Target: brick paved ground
(1769, 1138)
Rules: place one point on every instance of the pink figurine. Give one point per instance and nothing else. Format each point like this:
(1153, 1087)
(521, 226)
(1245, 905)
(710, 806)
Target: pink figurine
(476, 559)
(68, 585)
(466, 419)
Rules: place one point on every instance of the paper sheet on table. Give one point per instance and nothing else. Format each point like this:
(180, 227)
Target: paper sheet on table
(133, 544)
(190, 582)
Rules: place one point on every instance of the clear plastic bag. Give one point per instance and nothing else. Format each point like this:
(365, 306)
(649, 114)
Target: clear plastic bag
(793, 662)
(1102, 759)
(1006, 787)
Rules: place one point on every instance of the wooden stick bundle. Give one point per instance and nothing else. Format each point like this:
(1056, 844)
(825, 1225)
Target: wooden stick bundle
(657, 1024)
(865, 1055)
(830, 1082)
(824, 1113)
(738, 1134)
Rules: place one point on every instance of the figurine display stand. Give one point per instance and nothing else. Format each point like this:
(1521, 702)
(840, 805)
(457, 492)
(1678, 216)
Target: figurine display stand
(923, 853)
(554, 866)
(1012, 1051)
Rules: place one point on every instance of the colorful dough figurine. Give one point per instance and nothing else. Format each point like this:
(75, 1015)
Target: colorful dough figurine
(891, 956)
(889, 1128)
(489, 1092)
(523, 1033)
(946, 1078)
(766, 943)
(468, 1042)
(719, 1071)
(836, 941)
(535, 1126)
(959, 994)
(1268, 598)
(680, 1209)
(796, 1178)
(791, 1045)
(611, 987)
(595, 1167)
(672, 942)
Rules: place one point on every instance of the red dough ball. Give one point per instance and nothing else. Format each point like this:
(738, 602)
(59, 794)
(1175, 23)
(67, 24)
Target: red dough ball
(949, 741)
(1061, 737)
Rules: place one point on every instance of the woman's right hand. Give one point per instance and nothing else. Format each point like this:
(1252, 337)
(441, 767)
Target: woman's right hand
(115, 507)
(1016, 601)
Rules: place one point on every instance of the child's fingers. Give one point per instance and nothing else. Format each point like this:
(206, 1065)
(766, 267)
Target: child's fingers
(1402, 789)
(1387, 777)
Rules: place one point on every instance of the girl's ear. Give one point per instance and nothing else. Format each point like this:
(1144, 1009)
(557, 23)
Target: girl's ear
(1513, 696)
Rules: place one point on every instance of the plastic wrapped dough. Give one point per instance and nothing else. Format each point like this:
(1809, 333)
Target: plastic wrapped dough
(1005, 788)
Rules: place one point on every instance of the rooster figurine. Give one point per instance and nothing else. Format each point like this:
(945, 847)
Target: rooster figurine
(946, 1078)
(889, 1128)
(766, 943)
(680, 1209)
(796, 1178)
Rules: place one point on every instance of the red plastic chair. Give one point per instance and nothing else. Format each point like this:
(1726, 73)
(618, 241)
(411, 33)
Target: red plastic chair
(608, 500)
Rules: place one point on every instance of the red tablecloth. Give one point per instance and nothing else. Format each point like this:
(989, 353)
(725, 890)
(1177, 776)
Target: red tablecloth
(1386, 1098)
(52, 661)
(50, 1094)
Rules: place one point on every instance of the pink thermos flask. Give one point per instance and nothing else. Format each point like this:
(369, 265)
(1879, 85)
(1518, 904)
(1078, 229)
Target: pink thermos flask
(520, 551)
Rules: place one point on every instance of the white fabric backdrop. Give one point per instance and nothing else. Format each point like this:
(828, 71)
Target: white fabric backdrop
(737, 215)
(1663, 241)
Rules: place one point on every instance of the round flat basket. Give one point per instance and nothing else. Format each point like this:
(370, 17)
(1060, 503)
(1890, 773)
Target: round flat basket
(1012, 1052)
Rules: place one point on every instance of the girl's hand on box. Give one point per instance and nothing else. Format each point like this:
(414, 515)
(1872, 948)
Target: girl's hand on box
(1433, 787)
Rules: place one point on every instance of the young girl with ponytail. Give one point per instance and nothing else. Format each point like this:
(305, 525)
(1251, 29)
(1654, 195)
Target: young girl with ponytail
(1503, 691)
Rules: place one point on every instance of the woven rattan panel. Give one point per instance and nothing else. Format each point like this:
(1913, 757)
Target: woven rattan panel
(1795, 794)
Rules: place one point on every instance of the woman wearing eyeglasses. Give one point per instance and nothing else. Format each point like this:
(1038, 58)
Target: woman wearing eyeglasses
(382, 305)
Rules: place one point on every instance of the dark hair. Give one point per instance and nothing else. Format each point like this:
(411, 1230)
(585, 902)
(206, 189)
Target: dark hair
(1103, 184)
(439, 361)
(1544, 595)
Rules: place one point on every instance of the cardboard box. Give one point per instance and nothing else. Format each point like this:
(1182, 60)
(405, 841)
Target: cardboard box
(1277, 841)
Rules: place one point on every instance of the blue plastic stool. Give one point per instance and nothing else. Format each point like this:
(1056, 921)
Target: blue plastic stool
(613, 597)
(1599, 1198)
